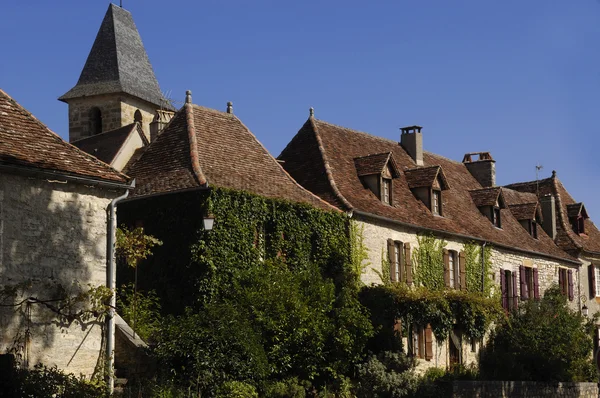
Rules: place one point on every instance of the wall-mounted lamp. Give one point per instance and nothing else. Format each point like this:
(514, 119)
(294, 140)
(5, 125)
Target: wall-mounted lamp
(208, 222)
(584, 310)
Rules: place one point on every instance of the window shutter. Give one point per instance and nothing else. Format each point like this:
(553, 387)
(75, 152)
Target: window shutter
(503, 289)
(428, 343)
(592, 279)
(408, 263)
(570, 281)
(524, 292)
(463, 270)
(400, 264)
(392, 260)
(561, 283)
(536, 284)
(446, 268)
(515, 296)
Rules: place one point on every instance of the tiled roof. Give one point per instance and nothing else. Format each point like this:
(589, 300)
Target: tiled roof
(576, 209)
(106, 146)
(26, 142)
(487, 197)
(525, 211)
(374, 164)
(321, 157)
(203, 146)
(566, 238)
(425, 177)
(118, 62)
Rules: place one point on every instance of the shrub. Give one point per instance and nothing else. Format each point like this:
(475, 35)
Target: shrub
(387, 375)
(543, 341)
(236, 389)
(288, 388)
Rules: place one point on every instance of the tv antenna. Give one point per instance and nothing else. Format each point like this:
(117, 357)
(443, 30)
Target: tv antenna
(538, 167)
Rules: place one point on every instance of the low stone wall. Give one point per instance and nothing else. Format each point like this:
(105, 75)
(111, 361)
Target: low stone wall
(529, 389)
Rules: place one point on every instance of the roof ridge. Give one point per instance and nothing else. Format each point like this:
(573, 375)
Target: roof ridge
(56, 137)
(374, 154)
(193, 141)
(276, 162)
(328, 171)
(357, 131)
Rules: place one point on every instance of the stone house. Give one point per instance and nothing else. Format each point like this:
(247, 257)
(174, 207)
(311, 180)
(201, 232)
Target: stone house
(396, 191)
(53, 244)
(567, 222)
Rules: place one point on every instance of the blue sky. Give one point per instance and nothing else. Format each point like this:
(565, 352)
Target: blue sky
(518, 78)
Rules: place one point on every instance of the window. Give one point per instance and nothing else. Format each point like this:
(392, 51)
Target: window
(386, 185)
(496, 217)
(400, 270)
(422, 343)
(398, 260)
(260, 243)
(95, 120)
(473, 344)
(578, 224)
(436, 203)
(533, 230)
(597, 279)
(565, 281)
(137, 116)
(508, 287)
(452, 268)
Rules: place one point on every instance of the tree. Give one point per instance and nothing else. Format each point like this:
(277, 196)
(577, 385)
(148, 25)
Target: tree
(543, 341)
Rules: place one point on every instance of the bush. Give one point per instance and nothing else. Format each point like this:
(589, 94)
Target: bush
(387, 375)
(543, 341)
(140, 310)
(289, 388)
(44, 382)
(236, 389)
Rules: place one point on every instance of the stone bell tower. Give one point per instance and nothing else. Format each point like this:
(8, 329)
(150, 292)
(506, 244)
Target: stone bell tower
(117, 86)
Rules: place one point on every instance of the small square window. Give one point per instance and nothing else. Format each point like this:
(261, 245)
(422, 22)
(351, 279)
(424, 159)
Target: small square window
(496, 220)
(386, 185)
(436, 203)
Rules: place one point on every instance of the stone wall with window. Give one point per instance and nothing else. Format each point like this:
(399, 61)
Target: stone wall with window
(389, 241)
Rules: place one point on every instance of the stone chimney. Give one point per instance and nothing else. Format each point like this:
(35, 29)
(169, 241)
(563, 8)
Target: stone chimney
(482, 167)
(548, 206)
(411, 140)
(161, 118)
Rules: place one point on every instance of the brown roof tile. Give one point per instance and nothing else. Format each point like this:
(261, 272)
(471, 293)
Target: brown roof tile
(374, 164)
(566, 238)
(26, 142)
(488, 197)
(321, 157)
(106, 146)
(576, 209)
(525, 211)
(201, 146)
(425, 177)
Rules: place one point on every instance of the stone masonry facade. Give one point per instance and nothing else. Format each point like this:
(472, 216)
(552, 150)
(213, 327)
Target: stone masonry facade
(375, 236)
(117, 110)
(52, 239)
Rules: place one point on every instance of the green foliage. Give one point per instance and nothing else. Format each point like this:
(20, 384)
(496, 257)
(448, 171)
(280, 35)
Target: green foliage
(140, 310)
(288, 388)
(237, 389)
(44, 382)
(474, 268)
(544, 341)
(133, 245)
(387, 375)
(428, 260)
(359, 253)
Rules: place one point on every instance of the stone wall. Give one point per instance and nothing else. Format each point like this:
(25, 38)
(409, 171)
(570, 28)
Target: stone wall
(497, 389)
(52, 237)
(117, 111)
(375, 235)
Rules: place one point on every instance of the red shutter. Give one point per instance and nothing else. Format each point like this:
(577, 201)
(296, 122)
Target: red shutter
(446, 268)
(428, 343)
(561, 282)
(592, 279)
(463, 270)
(503, 289)
(515, 296)
(570, 281)
(536, 284)
(400, 265)
(524, 292)
(408, 263)
(392, 260)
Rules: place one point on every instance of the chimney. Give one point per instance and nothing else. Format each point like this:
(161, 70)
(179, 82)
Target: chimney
(547, 202)
(230, 107)
(162, 117)
(411, 140)
(483, 168)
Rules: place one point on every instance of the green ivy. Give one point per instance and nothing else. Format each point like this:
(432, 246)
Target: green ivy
(428, 262)
(474, 268)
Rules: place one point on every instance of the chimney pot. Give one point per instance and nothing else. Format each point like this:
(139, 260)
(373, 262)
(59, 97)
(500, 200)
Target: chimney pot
(230, 107)
(311, 112)
(188, 97)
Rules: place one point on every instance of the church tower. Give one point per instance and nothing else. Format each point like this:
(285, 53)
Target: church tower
(117, 86)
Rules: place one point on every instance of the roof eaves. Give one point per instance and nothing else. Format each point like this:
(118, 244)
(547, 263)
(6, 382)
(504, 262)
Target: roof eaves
(193, 141)
(328, 171)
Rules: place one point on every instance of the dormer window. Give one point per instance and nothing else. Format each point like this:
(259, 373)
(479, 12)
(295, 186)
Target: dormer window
(577, 215)
(427, 184)
(529, 215)
(490, 202)
(377, 173)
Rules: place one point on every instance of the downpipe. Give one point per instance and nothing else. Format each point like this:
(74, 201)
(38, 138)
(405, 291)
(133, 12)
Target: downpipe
(111, 276)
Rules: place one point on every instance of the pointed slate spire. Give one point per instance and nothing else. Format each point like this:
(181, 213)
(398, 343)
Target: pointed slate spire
(118, 62)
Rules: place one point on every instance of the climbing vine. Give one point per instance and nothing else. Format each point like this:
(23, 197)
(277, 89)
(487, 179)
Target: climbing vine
(478, 273)
(359, 253)
(428, 259)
